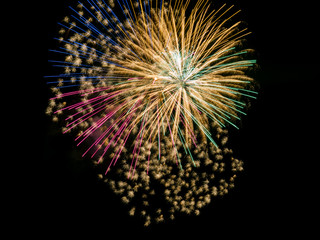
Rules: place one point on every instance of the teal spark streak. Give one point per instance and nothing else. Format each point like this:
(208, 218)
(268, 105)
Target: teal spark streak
(206, 132)
(185, 146)
(236, 103)
(204, 110)
(224, 99)
(222, 88)
(215, 107)
(244, 63)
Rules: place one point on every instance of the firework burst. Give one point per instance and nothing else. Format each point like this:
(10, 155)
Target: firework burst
(156, 84)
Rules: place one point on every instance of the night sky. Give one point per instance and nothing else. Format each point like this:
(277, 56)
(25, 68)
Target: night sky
(271, 197)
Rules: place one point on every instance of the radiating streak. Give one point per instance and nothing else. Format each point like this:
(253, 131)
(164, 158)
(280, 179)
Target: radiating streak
(165, 72)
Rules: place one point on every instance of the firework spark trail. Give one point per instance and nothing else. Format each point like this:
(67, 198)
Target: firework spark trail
(150, 73)
(163, 63)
